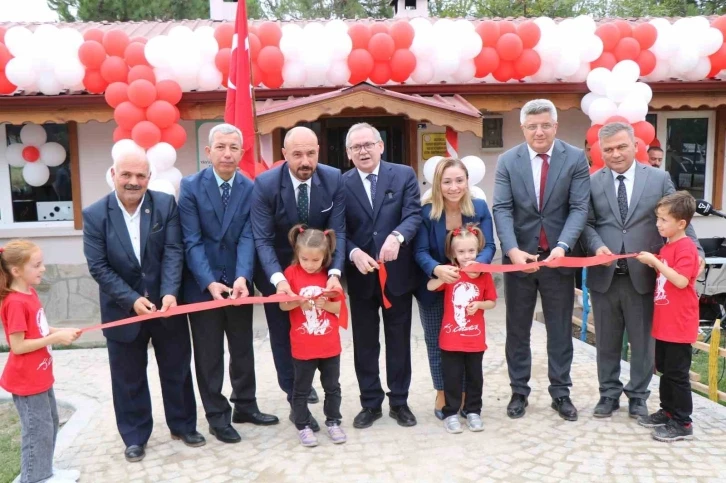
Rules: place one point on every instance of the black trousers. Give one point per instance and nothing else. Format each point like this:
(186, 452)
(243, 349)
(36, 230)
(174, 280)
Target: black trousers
(329, 378)
(208, 331)
(673, 360)
(130, 386)
(457, 367)
(367, 348)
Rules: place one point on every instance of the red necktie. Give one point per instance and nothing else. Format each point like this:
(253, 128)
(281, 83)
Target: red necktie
(542, 183)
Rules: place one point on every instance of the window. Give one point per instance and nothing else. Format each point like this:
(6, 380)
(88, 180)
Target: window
(492, 136)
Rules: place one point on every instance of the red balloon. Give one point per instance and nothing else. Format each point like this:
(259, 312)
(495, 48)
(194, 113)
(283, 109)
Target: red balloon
(31, 154)
(146, 134)
(5, 56)
(360, 63)
(94, 82)
(91, 54)
(252, 29)
(606, 60)
(225, 78)
(509, 46)
(626, 30)
(379, 28)
(592, 134)
(596, 156)
(115, 42)
(114, 69)
(223, 34)
(627, 49)
(139, 40)
(142, 72)
(174, 135)
(142, 93)
(641, 154)
(527, 64)
(93, 34)
(177, 114)
(269, 34)
(488, 30)
(255, 47)
(505, 71)
(277, 163)
(720, 23)
(402, 34)
(117, 93)
(6, 87)
(134, 54)
(381, 73)
(169, 91)
(360, 34)
(273, 80)
(645, 131)
(609, 33)
(161, 113)
(715, 70)
(718, 59)
(529, 32)
(486, 62)
(381, 47)
(646, 61)
(120, 133)
(127, 115)
(222, 59)
(256, 74)
(403, 64)
(507, 27)
(646, 35)
(270, 60)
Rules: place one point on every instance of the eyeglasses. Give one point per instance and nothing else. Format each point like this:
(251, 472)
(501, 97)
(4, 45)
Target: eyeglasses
(356, 148)
(533, 127)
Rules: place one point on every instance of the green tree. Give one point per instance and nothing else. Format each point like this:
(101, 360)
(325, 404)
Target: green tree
(324, 9)
(129, 10)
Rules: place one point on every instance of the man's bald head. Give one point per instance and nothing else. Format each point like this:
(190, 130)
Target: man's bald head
(301, 152)
(298, 134)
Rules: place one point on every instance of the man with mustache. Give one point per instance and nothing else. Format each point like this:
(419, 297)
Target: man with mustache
(297, 191)
(132, 241)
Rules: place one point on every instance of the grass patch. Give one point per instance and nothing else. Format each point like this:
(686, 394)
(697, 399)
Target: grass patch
(9, 442)
(699, 365)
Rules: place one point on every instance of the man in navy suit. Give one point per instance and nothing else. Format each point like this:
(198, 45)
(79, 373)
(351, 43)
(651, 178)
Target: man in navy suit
(132, 242)
(383, 213)
(298, 191)
(214, 208)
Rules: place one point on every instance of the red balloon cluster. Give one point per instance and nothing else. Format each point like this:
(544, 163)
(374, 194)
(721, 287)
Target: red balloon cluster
(265, 54)
(507, 50)
(381, 52)
(718, 59)
(6, 87)
(625, 41)
(644, 136)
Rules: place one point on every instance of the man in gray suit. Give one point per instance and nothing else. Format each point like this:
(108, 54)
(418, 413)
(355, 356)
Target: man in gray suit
(622, 219)
(541, 192)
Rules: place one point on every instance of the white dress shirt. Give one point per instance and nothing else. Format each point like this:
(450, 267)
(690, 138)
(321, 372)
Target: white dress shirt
(536, 161)
(133, 225)
(629, 181)
(366, 181)
(220, 181)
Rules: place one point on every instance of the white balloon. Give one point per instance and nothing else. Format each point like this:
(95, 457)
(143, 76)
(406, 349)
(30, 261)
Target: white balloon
(598, 80)
(18, 41)
(569, 63)
(209, 78)
(33, 135)
(19, 71)
(423, 73)
(627, 71)
(475, 167)
(36, 174)
(14, 155)
(49, 85)
(686, 59)
(601, 109)
(545, 73)
(126, 147)
(587, 24)
(642, 90)
(587, 100)
(710, 41)
(661, 71)
(341, 46)
(426, 195)
(445, 64)
(180, 33)
(592, 48)
(173, 176)
(109, 179)
(162, 185)
(314, 30)
(162, 155)
(634, 109)
(581, 74)
(157, 51)
(339, 73)
(163, 73)
(207, 46)
(471, 44)
(465, 72)
(617, 90)
(291, 42)
(336, 28)
(52, 154)
(293, 74)
(444, 27)
(477, 192)
(70, 72)
(700, 72)
(430, 167)
(545, 24)
(204, 31)
(70, 38)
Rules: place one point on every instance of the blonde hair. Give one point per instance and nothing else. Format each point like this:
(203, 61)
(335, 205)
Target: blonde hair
(468, 231)
(436, 199)
(14, 254)
(300, 236)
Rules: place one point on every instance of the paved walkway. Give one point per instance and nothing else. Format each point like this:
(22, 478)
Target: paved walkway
(539, 447)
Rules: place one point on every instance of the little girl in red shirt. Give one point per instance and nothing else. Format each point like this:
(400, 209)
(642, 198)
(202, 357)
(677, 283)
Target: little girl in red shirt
(314, 336)
(462, 338)
(28, 373)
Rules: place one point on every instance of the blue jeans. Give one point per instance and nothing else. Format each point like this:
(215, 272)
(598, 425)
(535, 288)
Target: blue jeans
(39, 428)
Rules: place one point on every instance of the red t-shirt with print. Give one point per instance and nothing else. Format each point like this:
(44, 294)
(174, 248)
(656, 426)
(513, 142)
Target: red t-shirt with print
(460, 331)
(675, 315)
(31, 373)
(313, 332)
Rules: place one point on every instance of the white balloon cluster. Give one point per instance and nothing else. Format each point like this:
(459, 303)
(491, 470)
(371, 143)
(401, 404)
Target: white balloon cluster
(187, 57)
(162, 156)
(616, 93)
(474, 166)
(566, 48)
(45, 60)
(315, 55)
(444, 50)
(36, 160)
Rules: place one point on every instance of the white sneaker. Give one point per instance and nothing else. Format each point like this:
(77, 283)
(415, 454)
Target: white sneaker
(452, 424)
(66, 474)
(474, 422)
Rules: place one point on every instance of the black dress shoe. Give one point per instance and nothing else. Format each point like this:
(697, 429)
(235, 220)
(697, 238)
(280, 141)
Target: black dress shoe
(312, 422)
(313, 397)
(637, 407)
(257, 418)
(366, 417)
(226, 434)
(564, 407)
(403, 415)
(134, 453)
(193, 439)
(517, 405)
(605, 407)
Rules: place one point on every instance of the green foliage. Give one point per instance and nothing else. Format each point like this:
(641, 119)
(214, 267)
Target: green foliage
(129, 10)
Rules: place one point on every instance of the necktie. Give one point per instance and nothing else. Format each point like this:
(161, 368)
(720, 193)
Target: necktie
(623, 207)
(226, 188)
(544, 245)
(373, 179)
(303, 203)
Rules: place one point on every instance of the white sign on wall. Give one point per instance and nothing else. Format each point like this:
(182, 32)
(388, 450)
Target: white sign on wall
(203, 128)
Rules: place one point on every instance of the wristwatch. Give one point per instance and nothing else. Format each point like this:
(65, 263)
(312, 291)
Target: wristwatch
(563, 246)
(398, 236)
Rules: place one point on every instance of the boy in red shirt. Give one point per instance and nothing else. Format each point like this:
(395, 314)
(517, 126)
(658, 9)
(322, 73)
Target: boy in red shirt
(675, 317)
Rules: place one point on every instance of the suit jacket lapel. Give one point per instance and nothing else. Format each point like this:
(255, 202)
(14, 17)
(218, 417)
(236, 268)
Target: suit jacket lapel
(385, 175)
(641, 178)
(357, 188)
(608, 186)
(234, 198)
(119, 225)
(556, 162)
(288, 196)
(524, 165)
(215, 197)
(147, 210)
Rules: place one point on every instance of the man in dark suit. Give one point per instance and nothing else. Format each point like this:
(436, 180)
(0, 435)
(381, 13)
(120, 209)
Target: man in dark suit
(298, 191)
(541, 193)
(214, 208)
(132, 242)
(383, 213)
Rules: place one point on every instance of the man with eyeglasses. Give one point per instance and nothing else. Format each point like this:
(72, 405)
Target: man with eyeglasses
(541, 197)
(383, 213)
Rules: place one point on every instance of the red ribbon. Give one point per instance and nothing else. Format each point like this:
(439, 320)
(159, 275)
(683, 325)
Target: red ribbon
(382, 277)
(567, 262)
